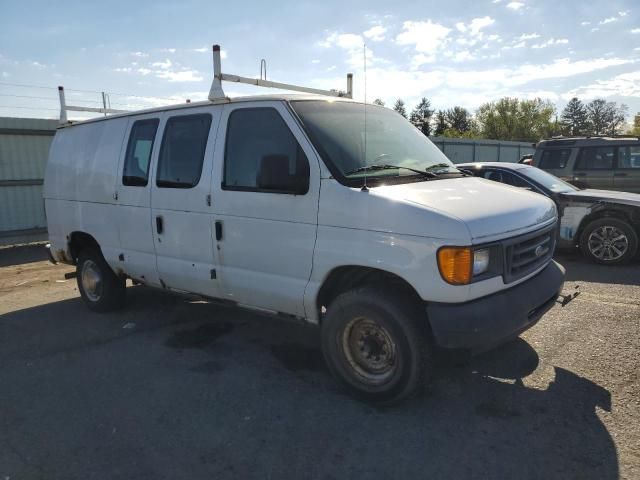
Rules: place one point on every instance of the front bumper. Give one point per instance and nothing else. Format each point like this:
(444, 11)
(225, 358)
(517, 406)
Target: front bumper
(486, 322)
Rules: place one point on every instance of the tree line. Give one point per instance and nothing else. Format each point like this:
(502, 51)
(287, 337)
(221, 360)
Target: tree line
(520, 119)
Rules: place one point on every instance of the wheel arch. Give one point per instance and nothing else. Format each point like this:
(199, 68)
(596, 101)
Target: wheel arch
(78, 241)
(347, 277)
(609, 211)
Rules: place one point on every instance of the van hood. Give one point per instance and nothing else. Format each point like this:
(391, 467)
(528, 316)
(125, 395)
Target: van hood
(490, 210)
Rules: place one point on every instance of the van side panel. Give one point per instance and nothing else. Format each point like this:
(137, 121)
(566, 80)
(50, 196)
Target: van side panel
(80, 184)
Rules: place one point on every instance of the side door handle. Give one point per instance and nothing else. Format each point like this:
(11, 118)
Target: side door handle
(218, 230)
(159, 224)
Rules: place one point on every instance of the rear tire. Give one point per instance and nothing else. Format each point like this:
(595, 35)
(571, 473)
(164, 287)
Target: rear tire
(101, 289)
(609, 241)
(377, 345)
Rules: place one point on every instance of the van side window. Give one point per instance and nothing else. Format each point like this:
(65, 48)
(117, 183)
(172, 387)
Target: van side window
(554, 158)
(182, 152)
(629, 156)
(261, 154)
(136, 162)
(595, 158)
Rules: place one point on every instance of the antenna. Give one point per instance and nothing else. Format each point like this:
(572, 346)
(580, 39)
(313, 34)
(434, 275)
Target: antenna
(364, 163)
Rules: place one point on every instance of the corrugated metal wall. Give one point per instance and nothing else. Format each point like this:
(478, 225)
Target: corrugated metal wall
(24, 148)
(461, 150)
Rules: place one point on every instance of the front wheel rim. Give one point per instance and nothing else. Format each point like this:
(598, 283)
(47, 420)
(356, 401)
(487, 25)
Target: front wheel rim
(370, 351)
(608, 243)
(91, 279)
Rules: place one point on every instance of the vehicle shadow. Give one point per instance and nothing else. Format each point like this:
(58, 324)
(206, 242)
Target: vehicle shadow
(214, 391)
(16, 255)
(580, 269)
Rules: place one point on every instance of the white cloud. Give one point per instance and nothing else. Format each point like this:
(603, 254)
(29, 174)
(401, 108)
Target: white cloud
(608, 20)
(352, 44)
(635, 30)
(624, 13)
(515, 5)
(479, 23)
(315, 60)
(375, 33)
(123, 69)
(584, 24)
(427, 37)
(180, 76)
(38, 65)
(162, 65)
(144, 71)
(201, 50)
(551, 41)
(528, 36)
(168, 50)
(139, 54)
(5, 75)
(625, 84)
(462, 56)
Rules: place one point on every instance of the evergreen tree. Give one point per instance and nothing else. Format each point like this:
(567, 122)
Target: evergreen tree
(377, 101)
(575, 119)
(421, 116)
(459, 119)
(441, 123)
(400, 108)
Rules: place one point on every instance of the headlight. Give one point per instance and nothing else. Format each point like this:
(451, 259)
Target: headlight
(458, 265)
(480, 261)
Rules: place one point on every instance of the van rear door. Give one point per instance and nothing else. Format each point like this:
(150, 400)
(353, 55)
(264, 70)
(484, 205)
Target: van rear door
(133, 198)
(180, 199)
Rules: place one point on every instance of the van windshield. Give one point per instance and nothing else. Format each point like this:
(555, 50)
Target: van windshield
(390, 147)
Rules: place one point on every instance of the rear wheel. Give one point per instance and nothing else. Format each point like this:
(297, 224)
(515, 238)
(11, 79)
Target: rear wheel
(376, 345)
(100, 288)
(609, 241)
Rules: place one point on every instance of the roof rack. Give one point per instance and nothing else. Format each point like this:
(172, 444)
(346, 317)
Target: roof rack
(216, 92)
(64, 108)
(580, 137)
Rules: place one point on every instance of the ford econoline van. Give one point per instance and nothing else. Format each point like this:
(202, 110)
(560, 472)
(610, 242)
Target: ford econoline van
(304, 207)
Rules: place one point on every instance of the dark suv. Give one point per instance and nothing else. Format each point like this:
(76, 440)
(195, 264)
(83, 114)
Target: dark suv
(606, 163)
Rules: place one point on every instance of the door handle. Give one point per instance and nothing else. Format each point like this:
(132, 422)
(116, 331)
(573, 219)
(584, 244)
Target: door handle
(218, 230)
(159, 224)
(620, 174)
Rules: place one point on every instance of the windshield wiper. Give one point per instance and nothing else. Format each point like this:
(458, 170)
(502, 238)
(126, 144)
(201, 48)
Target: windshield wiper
(372, 168)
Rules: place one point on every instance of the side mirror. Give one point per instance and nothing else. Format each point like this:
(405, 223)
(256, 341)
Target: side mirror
(274, 175)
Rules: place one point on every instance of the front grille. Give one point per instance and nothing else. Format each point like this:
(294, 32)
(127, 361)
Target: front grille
(527, 253)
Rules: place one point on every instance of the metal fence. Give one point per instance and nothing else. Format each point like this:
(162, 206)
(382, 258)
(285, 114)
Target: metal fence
(24, 148)
(462, 150)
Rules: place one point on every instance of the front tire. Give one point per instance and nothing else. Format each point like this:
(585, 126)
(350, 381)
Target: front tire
(376, 345)
(609, 241)
(101, 289)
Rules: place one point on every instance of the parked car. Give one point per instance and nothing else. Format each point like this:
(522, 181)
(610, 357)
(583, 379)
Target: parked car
(269, 203)
(607, 163)
(604, 224)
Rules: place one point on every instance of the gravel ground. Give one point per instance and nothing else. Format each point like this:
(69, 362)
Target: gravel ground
(175, 387)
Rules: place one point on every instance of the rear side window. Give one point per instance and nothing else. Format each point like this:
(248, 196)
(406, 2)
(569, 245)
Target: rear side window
(555, 158)
(139, 149)
(505, 177)
(629, 156)
(182, 152)
(260, 151)
(595, 158)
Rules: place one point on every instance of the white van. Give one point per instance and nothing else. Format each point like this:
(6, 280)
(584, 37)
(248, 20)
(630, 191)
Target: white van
(278, 203)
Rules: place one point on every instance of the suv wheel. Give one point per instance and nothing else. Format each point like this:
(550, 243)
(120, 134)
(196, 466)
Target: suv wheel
(609, 241)
(376, 345)
(100, 288)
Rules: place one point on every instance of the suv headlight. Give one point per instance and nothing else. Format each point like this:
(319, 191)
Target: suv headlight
(458, 265)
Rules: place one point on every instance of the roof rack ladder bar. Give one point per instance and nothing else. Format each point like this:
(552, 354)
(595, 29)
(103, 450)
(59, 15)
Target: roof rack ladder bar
(64, 108)
(63, 105)
(216, 92)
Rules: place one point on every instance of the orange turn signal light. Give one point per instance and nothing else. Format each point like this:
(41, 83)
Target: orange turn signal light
(455, 264)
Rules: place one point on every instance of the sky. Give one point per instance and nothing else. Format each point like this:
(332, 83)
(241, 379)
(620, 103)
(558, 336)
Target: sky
(147, 53)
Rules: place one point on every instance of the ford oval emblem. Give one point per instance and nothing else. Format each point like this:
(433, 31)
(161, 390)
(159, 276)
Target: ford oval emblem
(539, 251)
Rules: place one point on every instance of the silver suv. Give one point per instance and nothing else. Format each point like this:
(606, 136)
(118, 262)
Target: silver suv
(606, 163)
